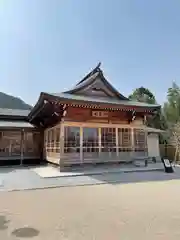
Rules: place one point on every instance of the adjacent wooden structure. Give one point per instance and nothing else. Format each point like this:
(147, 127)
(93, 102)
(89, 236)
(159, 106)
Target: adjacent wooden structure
(20, 142)
(90, 123)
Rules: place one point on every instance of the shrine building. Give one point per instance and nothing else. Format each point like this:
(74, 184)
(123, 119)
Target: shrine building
(90, 123)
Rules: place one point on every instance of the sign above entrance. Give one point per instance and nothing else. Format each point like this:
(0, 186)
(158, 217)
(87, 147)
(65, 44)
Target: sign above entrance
(100, 114)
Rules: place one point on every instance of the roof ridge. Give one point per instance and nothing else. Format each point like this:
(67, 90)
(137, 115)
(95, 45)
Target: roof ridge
(92, 72)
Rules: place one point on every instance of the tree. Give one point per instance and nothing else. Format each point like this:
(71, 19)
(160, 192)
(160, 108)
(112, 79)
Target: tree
(143, 95)
(172, 106)
(175, 139)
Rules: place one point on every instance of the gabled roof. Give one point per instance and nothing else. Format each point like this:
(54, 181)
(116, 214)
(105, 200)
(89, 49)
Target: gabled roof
(82, 95)
(90, 78)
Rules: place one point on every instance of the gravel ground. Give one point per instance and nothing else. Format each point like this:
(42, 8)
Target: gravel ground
(147, 210)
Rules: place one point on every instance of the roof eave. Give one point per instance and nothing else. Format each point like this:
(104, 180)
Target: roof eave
(118, 94)
(67, 100)
(37, 106)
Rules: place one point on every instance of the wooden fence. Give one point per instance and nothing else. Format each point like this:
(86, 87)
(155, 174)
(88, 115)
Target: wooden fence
(168, 151)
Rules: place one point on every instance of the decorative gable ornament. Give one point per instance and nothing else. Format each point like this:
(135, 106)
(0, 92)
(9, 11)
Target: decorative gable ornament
(133, 115)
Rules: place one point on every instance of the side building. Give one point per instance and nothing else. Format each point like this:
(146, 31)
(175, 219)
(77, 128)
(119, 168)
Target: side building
(20, 141)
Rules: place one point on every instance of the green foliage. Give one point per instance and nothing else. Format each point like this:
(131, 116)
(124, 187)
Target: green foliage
(172, 105)
(169, 116)
(175, 139)
(158, 120)
(143, 95)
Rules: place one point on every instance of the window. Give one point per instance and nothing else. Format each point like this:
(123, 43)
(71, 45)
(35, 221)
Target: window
(90, 140)
(139, 140)
(124, 139)
(57, 140)
(10, 143)
(71, 139)
(108, 139)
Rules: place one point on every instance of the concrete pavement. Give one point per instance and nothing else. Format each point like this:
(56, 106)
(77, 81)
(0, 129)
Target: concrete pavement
(147, 210)
(24, 178)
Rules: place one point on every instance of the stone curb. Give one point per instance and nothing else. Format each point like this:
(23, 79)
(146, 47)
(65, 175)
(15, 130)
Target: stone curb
(106, 172)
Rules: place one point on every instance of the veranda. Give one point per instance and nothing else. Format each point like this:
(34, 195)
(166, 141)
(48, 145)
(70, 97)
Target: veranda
(79, 143)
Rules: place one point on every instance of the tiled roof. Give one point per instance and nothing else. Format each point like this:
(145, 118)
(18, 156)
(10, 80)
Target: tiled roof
(85, 82)
(15, 124)
(103, 100)
(91, 78)
(14, 112)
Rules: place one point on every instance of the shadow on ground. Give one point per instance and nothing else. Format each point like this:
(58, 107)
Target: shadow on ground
(25, 232)
(137, 177)
(3, 222)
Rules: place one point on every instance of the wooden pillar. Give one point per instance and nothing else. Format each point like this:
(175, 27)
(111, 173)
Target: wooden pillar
(45, 142)
(117, 142)
(22, 147)
(145, 142)
(42, 145)
(99, 139)
(61, 145)
(81, 144)
(10, 149)
(132, 140)
(50, 142)
(53, 133)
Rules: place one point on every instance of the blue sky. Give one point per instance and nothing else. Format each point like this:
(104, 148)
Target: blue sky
(48, 45)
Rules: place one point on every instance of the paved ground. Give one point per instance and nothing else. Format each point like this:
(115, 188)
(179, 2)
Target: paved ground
(49, 171)
(146, 210)
(24, 178)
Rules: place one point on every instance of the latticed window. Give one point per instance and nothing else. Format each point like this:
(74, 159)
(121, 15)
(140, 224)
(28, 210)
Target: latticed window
(90, 140)
(49, 141)
(90, 137)
(32, 143)
(140, 141)
(124, 137)
(108, 139)
(53, 140)
(71, 139)
(10, 143)
(57, 140)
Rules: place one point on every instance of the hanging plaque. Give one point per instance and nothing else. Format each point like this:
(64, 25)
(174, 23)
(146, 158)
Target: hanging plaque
(100, 114)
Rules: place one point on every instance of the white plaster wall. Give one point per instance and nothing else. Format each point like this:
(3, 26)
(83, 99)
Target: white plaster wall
(153, 145)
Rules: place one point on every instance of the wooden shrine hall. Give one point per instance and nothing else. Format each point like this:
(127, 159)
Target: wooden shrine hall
(90, 123)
